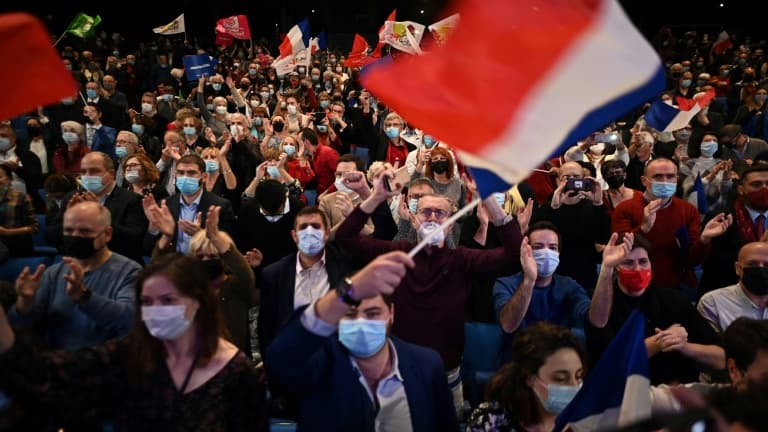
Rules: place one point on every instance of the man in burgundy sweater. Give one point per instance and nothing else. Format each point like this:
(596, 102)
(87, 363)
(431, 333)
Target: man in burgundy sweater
(431, 299)
(672, 225)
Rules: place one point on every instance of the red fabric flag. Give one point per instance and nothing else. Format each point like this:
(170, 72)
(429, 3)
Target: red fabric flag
(29, 59)
(358, 56)
(377, 52)
(236, 26)
(224, 39)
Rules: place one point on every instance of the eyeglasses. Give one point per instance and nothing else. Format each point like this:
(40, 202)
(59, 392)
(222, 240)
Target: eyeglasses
(428, 212)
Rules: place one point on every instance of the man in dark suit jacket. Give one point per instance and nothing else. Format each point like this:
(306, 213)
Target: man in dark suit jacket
(103, 136)
(359, 378)
(189, 207)
(97, 183)
(297, 279)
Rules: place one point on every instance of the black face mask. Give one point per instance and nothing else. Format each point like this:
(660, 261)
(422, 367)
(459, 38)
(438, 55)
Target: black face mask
(213, 268)
(278, 126)
(755, 280)
(439, 167)
(244, 86)
(615, 181)
(77, 247)
(33, 130)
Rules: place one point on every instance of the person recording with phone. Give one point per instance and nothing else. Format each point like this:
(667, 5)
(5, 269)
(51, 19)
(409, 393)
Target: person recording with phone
(594, 149)
(577, 209)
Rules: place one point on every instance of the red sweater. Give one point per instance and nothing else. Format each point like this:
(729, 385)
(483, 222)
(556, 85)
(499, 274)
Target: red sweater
(431, 299)
(672, 266)
(324, 164)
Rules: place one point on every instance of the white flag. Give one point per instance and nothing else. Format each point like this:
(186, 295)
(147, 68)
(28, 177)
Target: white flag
(174, 27)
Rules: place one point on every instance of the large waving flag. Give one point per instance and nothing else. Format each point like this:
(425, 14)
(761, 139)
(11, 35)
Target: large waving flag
(391, 18)
(617, 392)
(403, 35)
(29, 59)
(358, 56)
(666, 118)
(174, 27)
(318, 43)
(559, 95)
(296, 40)
(442, 29)
(83, 26)
(235, 26)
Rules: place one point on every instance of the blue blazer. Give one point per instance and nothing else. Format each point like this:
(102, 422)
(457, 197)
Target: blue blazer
(104, 141)
(318, 370)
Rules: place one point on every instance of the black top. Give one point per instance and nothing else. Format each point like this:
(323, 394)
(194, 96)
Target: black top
(662, 308)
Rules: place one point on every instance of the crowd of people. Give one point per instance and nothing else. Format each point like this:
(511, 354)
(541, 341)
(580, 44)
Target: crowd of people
(234, 248)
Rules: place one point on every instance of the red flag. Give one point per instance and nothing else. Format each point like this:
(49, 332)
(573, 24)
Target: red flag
(29, 59)
(380, 45)
(236, 26)
(358, 56)
(224, 39)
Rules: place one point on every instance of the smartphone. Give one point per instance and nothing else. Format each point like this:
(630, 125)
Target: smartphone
(318, 117)
(579, 185)
(401, 177)
(607, 138)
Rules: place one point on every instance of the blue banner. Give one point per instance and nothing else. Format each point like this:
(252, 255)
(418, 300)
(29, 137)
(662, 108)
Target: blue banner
(196, 66)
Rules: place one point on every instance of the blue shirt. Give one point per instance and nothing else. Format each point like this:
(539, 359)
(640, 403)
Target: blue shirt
(187, 212)
(564, 302)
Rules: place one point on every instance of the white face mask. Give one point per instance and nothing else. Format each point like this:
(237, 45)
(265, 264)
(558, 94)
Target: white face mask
(146, 108)
(221, 110)
(165, 322)
(341, 187)
(597, 149)
(291, 109)
(426, 229)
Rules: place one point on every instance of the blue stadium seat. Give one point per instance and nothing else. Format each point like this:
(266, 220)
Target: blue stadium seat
(41, 246)
(11, 269)
(482, 342)
(281, 425)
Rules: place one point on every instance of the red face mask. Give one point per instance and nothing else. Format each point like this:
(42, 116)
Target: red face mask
(635, 281)
(758, 199)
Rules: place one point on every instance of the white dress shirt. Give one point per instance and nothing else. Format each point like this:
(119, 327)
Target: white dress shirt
(311, 283)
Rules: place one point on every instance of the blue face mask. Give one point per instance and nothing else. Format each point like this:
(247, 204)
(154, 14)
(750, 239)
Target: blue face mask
(363, 337)
(252, 72)
(92, 183)
(121, 152)
(311, 241)
(137, 129)
(187, 185)
(500, 198)
(708, 148)
(264, 95)
(216, 86)
(413, 205)
(290, 150)
(686, 83)
(257, 121)
(273, 171)
(392, 132)
(428, 141)
(324, 104)
(211, 166)
(663, 189)
(91, 93)
(189, 130)
(558, 397)
(322, 129)
(547, 261)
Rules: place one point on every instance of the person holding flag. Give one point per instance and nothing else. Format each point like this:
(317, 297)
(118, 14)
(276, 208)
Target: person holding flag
(432, 297)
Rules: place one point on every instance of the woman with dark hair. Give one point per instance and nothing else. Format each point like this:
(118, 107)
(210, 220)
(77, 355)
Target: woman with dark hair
(716, 175)
(17, 218)
(143, 177)
(173, 372)
(529, 393)
(440, 170)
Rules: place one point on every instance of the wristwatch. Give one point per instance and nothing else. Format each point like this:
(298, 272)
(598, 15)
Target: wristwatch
(344, 291)
(85, 295)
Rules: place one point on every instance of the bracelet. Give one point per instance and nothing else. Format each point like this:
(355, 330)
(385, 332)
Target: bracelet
(227, 171)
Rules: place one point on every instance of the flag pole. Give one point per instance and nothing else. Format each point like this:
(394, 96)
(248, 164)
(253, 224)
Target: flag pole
(425, 241)
(60, 38)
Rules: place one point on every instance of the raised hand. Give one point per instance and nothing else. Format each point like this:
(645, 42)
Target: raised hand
(344, 204)
(381, 276)
(557, 196)
(716, 227)
(74, 278)
(254, 257)
(26, 286)
(649, 214)
(613, 254)
(528, 263)
(524, 215)
(212, 222)
(356, 181)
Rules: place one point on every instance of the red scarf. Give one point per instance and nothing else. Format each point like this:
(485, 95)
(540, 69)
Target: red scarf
(744, 222)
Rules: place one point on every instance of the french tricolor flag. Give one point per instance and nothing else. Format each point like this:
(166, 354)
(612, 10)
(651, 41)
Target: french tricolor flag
(667, 118)
(296, 40)
(519, 80)
(617, 391)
